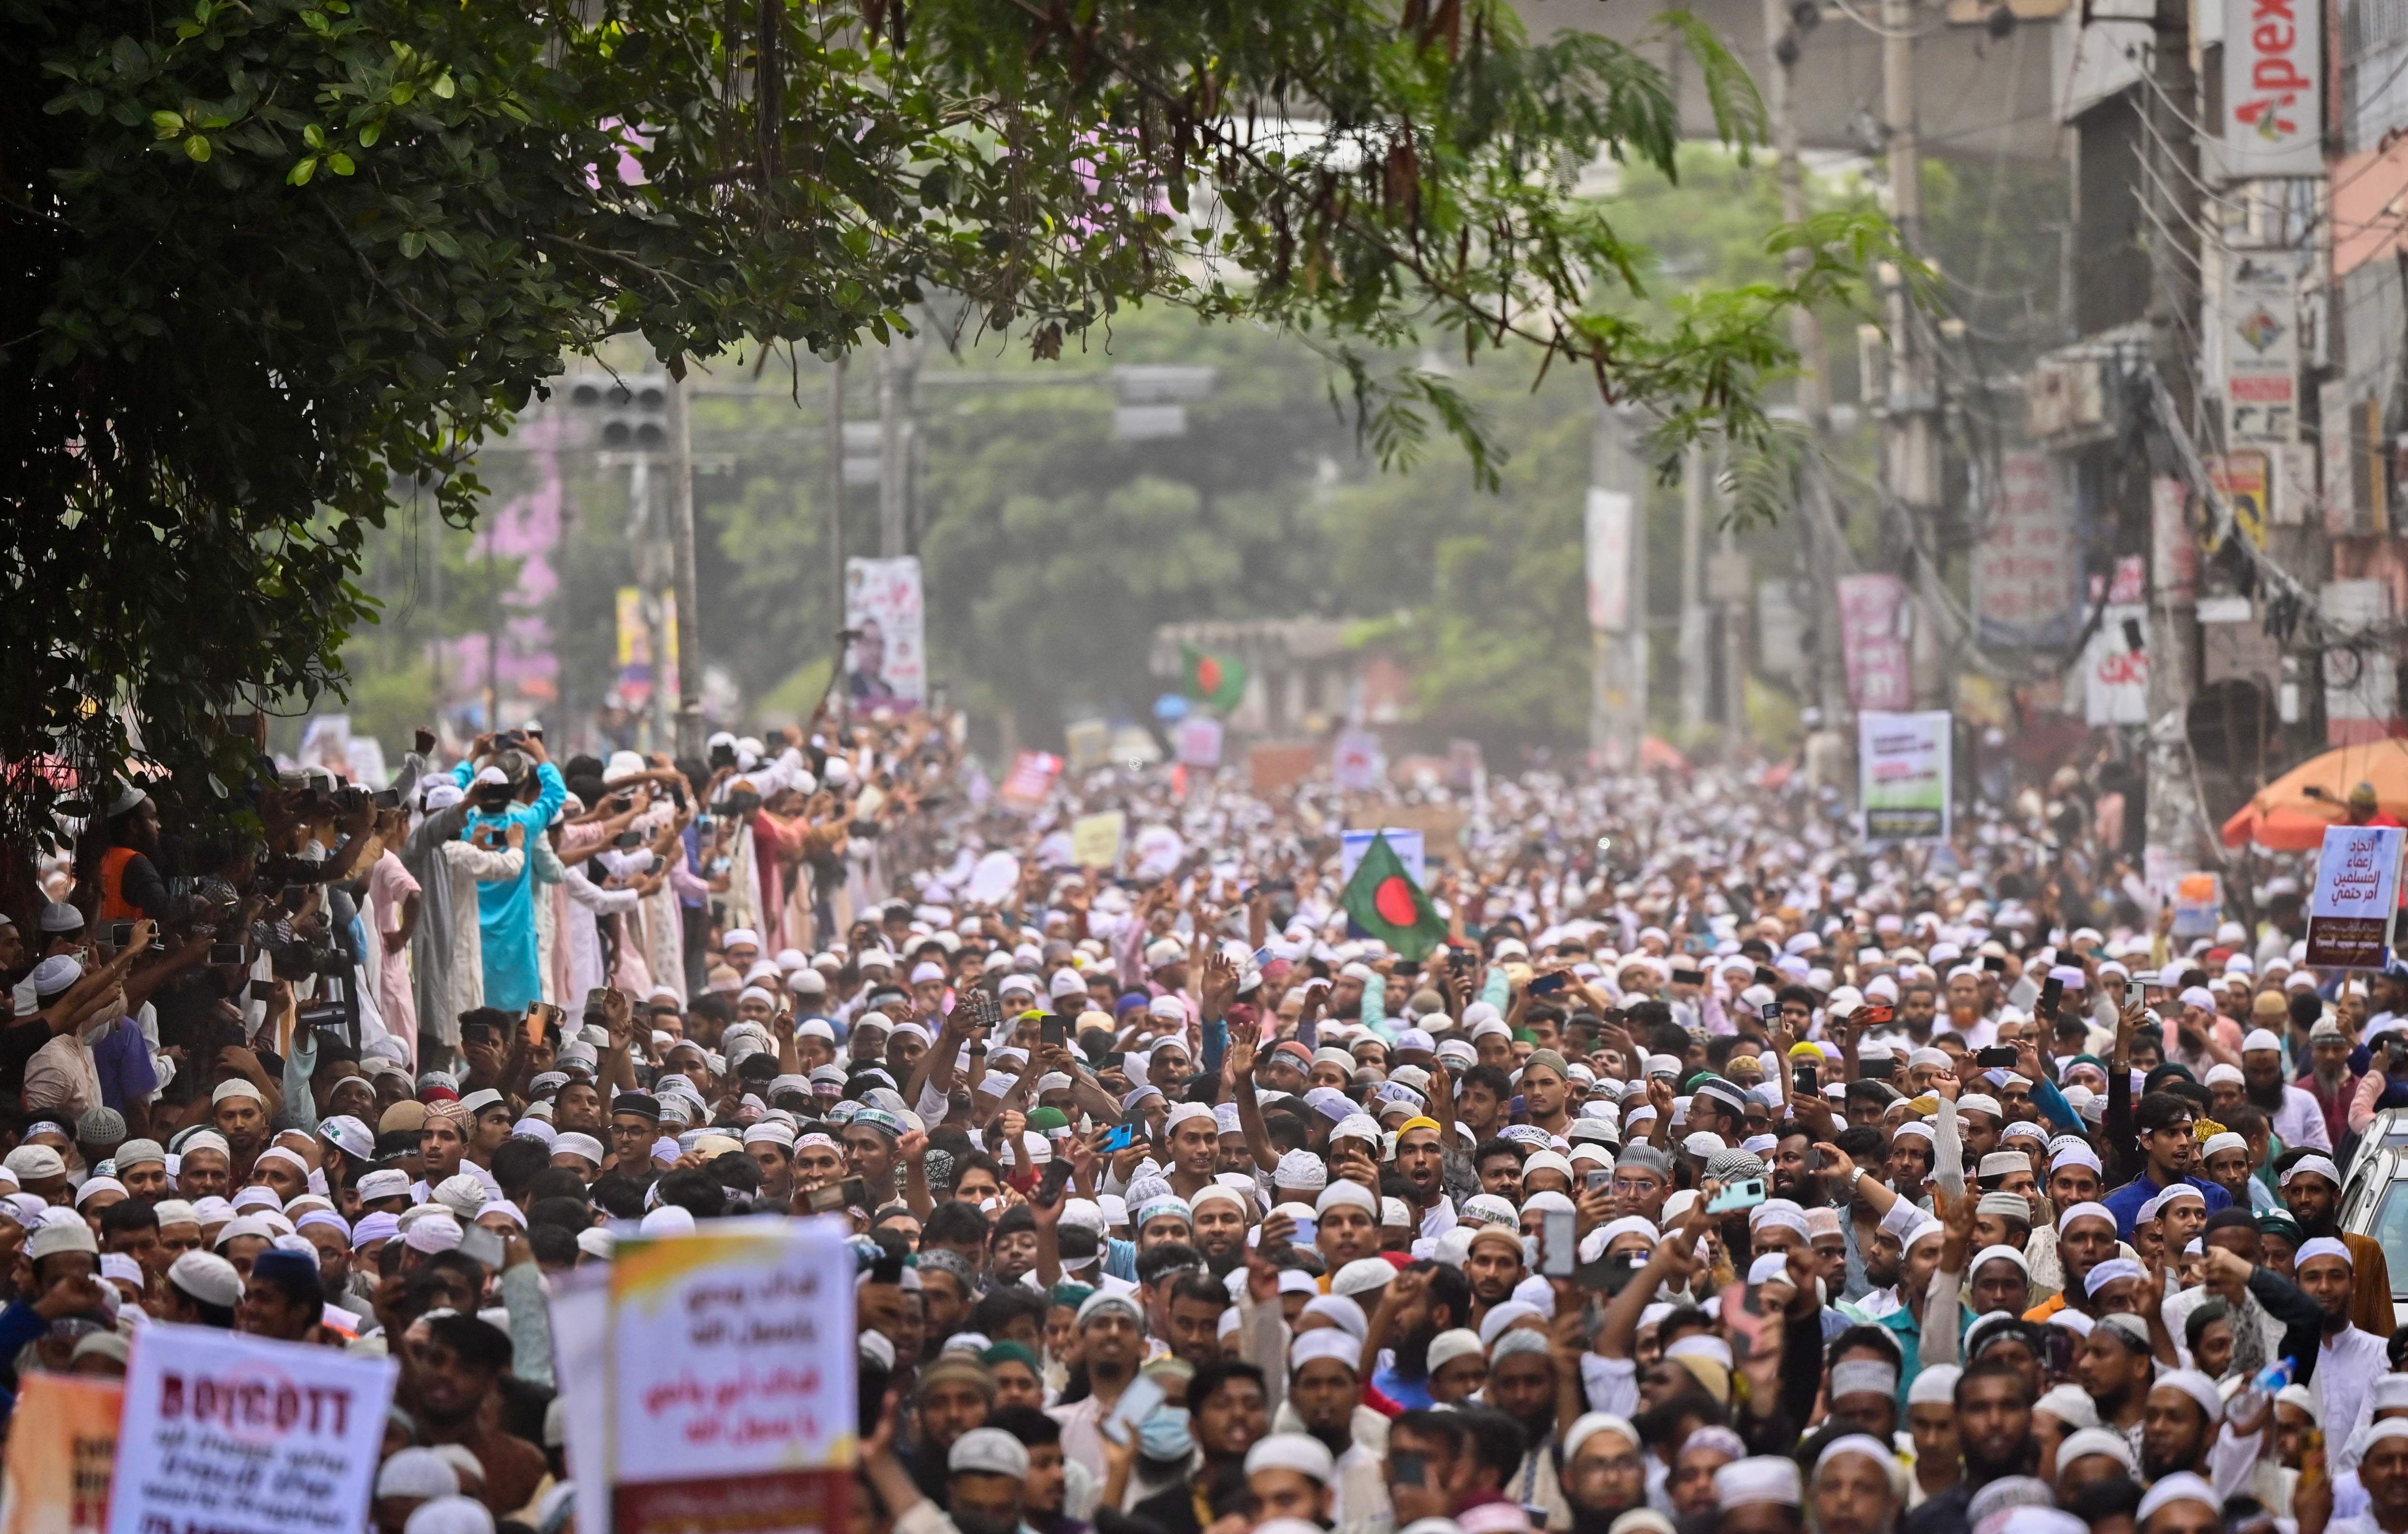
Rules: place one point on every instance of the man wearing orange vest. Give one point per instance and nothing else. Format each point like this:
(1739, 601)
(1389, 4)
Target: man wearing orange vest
(129, 885)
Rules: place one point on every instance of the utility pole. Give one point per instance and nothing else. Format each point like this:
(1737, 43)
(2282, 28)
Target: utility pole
(1817, 525)
(1735, 666)
(493, 631)
(1618, 662)
(689, 666)
(646, 532)
(899, 369)
(1911, 465)
(2174, 844)
(836, 521)
(1697, 640)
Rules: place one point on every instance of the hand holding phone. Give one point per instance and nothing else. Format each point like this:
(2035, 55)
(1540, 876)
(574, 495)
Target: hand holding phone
(1746, 1193)
(1135, 1404)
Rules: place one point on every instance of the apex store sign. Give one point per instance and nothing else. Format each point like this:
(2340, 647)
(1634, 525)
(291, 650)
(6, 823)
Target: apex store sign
(2273, 89)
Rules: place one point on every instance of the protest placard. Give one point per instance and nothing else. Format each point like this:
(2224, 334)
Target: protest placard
(731, 1355)
(2198, 905)
(1904, 762)
(2358, 883)
(62, 1449)
(1198, 737)
(1096, 839)
(1409, 846)
(225, 1433)
(1029, 780)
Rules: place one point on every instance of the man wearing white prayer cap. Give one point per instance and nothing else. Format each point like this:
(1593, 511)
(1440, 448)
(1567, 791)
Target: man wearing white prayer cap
(983, 1471)
(1858, 1487)
(2181, 1504)
(1762, 1493)
(1289, 1476)
(2293, 1112)
(2184, 1410)
(2383, 1473)
(1605, 1471)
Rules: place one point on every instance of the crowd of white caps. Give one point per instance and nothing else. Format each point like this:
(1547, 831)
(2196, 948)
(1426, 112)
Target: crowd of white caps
(1711, 1169)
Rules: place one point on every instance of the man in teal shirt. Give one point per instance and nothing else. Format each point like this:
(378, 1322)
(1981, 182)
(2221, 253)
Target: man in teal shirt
(506, 907)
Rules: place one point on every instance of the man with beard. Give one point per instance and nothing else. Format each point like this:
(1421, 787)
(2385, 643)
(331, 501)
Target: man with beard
(1324, 1385)
(1493, 1267)
(2115, 1369)
(2224, 1156)
(2350, 1359)
(1522, 1385)
(2283, 1320)
(2298, 1118)
(1918, 1004)
(1426, 1298)
(954, 1396)
(2180, 1426)
(1605, 1471)
(2329, 1080)
(2312, 1191)
(1228, 1412)
(985, 1471)
(1994, 1428)
(1219, 1219)
(1112, 1338)
(1792, 1159)
(1855, 1487)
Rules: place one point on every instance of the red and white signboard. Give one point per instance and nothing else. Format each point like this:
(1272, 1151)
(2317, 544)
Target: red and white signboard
(2273, 94)
(1030, 779)
(2116, 676)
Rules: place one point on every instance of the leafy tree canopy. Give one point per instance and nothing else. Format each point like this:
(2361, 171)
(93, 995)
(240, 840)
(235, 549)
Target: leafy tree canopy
(269, 255)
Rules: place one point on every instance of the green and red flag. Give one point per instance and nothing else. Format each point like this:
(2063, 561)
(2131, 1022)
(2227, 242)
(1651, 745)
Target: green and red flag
(1383, 900)
(1219, 680)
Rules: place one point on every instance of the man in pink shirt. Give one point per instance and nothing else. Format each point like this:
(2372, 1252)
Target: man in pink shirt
(392, 906)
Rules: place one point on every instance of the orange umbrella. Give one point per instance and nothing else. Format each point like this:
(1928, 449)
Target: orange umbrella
(2290, 813)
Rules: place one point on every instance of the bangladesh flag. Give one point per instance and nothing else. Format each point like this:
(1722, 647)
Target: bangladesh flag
(1385, 903)
(1214, 679)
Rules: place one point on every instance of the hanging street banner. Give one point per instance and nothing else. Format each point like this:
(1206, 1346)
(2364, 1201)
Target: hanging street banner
(1881, 673)
(2260, 318)
(888, 665)
(2027, 569)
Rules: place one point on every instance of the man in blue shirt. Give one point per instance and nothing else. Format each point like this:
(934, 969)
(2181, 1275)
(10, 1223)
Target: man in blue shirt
(2162, 1122)
(506, 908)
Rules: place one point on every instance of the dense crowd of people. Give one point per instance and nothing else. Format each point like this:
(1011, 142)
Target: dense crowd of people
(1715, 1170)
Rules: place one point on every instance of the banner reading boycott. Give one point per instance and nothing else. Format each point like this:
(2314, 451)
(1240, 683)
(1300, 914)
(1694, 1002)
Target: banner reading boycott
(232, 1434)
(2357, 882)
(1902, 762)
(730, 1359)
